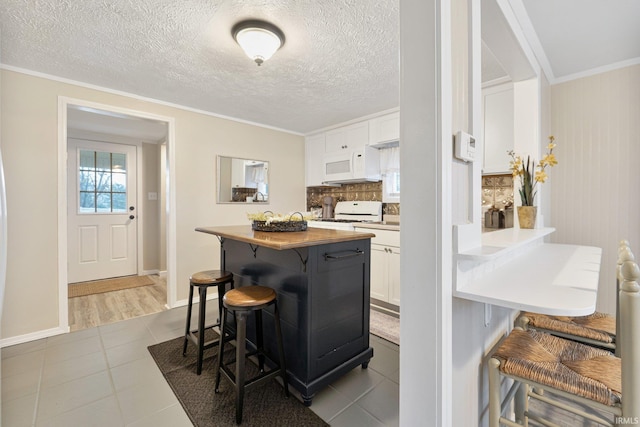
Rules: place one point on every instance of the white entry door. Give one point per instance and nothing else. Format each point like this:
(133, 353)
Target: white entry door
(101, 214)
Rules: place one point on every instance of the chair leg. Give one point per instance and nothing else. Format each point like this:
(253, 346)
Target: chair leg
(201, 316)
(220, 351)
(283, 366)
(221, 289)
(494, 393)
(241, 333)
(259, 339)
(188, 326)
(521, 404)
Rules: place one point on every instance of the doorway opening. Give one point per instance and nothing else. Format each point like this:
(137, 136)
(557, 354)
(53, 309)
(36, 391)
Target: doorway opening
(116, 232)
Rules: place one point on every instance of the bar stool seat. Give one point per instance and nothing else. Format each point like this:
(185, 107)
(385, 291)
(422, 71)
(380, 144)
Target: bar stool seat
(243, 301)
(203, 280)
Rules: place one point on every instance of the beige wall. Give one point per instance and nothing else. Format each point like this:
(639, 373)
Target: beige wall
(151, 208)
(594, 195)
(29, 146)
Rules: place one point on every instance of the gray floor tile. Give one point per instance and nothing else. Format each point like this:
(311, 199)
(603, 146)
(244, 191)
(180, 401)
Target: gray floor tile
(385, 360)
(395, 377)
(134, 331)
(139, 402)
(19, 412)
(355, 416)
(162, 335)
(123, 324)
(357, 382)
(329, 402)
(138, 372)
(118, 352)
(72, 349)
(73, 394)
(20, 385)
(68, 370)
(173, 416)
(377, 340)
(129, 352)
(73, 336)
(24, 348)
(383, 402)
(22, 363)
(102, 413)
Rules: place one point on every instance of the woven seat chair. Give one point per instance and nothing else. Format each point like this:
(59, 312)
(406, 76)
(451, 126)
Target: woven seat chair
(543, 366)
(597, 329)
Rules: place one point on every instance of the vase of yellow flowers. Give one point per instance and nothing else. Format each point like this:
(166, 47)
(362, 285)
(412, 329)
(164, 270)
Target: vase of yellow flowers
(530, 175)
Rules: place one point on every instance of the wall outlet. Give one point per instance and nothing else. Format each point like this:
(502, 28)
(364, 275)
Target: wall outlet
(152, 196)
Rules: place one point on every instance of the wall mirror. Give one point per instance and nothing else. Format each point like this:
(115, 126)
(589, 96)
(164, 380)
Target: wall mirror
(242, 180)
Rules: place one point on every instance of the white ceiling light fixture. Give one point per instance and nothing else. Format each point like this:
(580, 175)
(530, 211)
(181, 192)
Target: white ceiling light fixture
(259, 39)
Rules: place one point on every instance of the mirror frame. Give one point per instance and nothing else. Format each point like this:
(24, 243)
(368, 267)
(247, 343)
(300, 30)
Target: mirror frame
(219, 186)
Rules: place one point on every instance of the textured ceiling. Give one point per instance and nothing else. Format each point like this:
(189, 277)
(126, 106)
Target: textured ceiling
(340, 60)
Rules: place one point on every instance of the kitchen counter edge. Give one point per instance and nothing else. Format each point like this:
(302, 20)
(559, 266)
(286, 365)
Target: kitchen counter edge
(284, 240)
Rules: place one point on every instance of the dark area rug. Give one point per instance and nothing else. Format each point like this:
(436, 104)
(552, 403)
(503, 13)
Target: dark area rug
(264, 405)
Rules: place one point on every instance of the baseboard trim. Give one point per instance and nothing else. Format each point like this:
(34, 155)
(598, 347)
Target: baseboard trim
(33, 336)
(151, 272)
(196, 299)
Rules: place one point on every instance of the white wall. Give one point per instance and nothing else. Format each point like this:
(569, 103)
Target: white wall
(29, 144)
(596, 184)
(425, 132)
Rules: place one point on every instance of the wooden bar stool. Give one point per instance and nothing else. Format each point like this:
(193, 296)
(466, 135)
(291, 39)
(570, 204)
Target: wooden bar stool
(203, 280)
(243, 301)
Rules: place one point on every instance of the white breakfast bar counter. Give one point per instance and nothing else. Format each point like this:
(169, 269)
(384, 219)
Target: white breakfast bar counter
(515, 269)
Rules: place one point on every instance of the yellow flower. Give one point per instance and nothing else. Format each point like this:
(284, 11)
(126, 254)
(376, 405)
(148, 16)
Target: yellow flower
(541, 176)
(549, 159)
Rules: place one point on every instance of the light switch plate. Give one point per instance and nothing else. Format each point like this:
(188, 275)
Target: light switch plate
(152, 196)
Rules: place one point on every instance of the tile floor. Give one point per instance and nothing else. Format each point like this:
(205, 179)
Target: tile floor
(105, 376)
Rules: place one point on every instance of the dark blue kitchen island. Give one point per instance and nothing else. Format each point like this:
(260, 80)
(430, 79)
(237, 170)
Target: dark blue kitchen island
(322, 280)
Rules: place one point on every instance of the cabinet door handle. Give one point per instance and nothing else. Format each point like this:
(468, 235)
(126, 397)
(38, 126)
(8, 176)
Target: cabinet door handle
(343, 255)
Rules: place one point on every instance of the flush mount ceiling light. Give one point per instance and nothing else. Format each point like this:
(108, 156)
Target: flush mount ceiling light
(259, 39)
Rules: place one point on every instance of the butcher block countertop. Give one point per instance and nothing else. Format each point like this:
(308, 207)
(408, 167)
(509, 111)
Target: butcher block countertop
(284, 240)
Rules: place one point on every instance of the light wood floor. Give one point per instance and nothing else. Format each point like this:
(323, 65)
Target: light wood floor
(101, 309)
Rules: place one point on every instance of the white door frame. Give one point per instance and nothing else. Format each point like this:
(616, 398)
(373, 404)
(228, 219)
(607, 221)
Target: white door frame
(63, 104)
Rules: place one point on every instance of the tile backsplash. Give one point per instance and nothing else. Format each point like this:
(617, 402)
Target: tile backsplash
(366, 191)
(497, 190)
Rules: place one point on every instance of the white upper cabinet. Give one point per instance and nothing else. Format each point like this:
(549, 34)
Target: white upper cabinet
(498, 107)
(384, 130)
(347, 138)
(237, 173)
(313, 153)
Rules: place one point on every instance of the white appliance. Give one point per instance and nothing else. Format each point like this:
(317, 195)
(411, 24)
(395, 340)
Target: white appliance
(348, 214)
(347, 166)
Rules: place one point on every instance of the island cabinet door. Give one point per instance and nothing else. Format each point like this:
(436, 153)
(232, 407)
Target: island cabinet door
(339, 304)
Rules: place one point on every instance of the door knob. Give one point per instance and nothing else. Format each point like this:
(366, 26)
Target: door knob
(131, 217)
(131, 208)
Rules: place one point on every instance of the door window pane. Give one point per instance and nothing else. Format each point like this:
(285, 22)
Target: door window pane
(102, 182)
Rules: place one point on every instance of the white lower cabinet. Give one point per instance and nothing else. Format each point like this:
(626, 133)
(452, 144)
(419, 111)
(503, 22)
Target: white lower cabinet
(385, 265)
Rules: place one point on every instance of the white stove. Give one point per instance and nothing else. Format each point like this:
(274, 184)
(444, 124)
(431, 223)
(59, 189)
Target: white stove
(348, 214)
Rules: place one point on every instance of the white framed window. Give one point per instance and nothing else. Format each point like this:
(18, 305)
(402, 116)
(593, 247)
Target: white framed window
(390, 171)
(102, 179)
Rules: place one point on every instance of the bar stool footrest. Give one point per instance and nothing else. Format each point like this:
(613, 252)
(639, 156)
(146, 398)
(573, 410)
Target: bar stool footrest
(258, 379)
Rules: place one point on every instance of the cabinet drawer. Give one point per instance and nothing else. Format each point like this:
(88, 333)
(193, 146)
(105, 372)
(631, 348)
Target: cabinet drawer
(383, 237)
